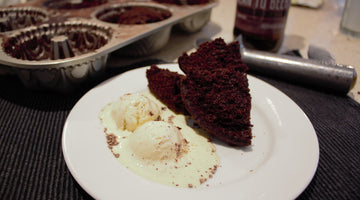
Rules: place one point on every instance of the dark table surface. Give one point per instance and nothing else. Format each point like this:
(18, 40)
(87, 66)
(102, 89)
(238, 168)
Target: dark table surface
(32, 164)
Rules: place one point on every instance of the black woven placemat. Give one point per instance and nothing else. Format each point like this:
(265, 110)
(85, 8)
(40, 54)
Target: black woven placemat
(32, 165)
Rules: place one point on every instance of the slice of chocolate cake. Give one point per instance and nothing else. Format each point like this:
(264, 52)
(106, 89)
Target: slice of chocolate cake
(214, 91)
(213, 55)
(165, 85)
(219, 101)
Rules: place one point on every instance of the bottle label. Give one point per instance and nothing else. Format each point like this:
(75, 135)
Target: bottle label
(261, 16)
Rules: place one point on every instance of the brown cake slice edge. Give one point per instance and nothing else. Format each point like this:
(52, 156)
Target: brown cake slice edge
(165, 85)
(213, 55)
(220, 102)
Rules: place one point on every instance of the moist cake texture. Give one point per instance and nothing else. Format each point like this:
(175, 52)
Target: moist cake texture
(214, 90)
(213, 55)
(165, 85)
(219, 101)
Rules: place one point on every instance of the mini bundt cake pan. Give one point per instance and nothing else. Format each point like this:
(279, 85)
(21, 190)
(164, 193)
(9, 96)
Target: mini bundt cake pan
(17, 18)
(137, 14)
(61, 45)
(57, 56)
(73, 4)
(194, 23)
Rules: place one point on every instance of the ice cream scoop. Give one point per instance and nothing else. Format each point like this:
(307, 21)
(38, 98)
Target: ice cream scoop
(157, 140)
(167, 150)
(133, 110)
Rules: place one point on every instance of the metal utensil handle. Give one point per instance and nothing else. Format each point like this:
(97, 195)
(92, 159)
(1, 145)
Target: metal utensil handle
(337, 78)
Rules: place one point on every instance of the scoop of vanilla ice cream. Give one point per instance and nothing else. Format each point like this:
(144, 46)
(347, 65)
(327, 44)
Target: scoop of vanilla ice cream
(157, 140)
(133, 110)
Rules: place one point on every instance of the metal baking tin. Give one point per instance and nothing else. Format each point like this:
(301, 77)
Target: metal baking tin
(68, 73)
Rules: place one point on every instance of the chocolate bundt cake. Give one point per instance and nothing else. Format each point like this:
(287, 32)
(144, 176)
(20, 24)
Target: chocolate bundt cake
(165, 85)
(219, 101)
(212, 55)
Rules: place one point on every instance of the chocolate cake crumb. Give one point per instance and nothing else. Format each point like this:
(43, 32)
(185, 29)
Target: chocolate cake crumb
(111, 139)
(203, 180)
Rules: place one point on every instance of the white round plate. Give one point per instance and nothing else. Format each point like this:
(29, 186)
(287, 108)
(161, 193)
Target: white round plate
(278, 165)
